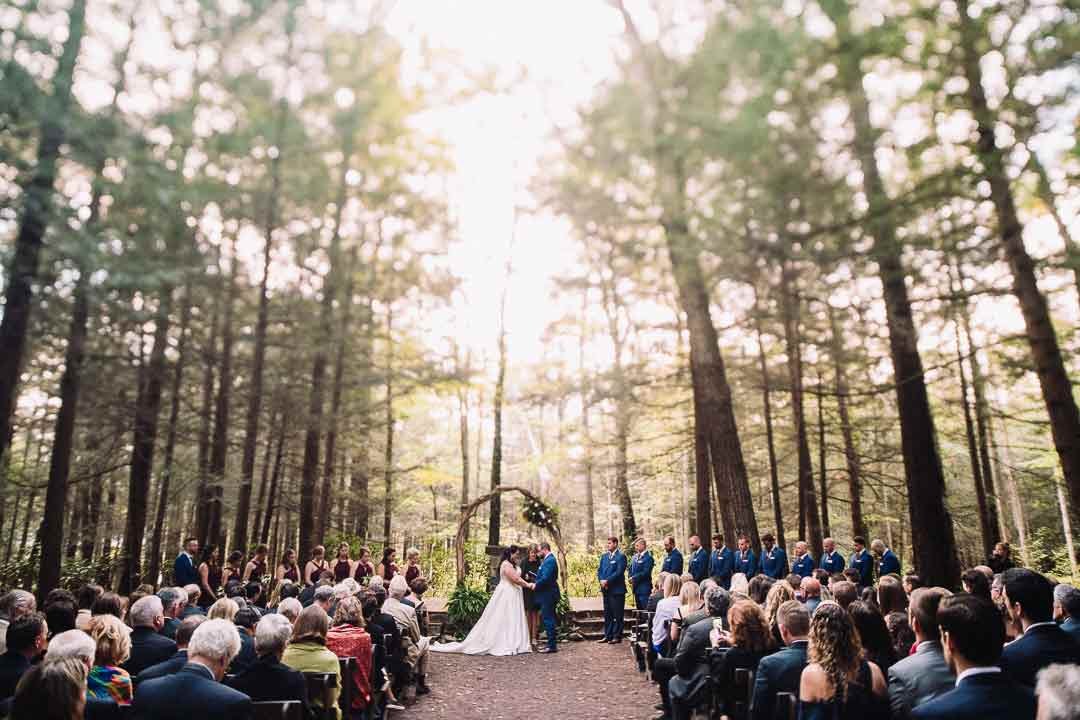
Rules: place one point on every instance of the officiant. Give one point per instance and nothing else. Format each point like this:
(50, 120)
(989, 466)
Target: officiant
(612, 577)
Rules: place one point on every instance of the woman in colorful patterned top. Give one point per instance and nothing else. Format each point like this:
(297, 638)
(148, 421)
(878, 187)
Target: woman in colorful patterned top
(107, 680)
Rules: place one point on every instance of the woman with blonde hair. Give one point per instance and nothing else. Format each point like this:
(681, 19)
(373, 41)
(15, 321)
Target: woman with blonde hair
(223, 609)
(52, 690)
(412, 565)
(689, 602)
(665, 610)
(779, 594)
(838, 684)
(107, 680)
(740, 587)
(307, 652)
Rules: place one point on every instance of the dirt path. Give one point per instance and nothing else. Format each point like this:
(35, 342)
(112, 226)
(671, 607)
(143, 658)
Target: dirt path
(583, 680)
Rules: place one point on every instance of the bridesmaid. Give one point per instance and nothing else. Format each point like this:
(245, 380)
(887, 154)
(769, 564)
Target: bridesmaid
(412, 565)
(288, 569)
(234, 569)
(387, 569)
(343, 567)
(209, 576)
(315, 565)
(256, 567)
(529, 567)
(364, 568)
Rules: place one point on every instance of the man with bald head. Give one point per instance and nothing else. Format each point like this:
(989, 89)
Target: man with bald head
(811, 592)
(831, 560)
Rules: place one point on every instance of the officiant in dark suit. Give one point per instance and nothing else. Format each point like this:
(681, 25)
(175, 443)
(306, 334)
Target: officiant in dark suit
(612, 577)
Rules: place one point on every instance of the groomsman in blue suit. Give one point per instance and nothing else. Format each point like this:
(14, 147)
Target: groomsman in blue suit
(831, 560)
(888, 562)
(699, 559)
(546, 595)
(721, 562)
(804, 564)
(640, 572)
(745, 560)
(184, 572)
(773, 558)
(862, 561)
(673, 559)
(612, 577)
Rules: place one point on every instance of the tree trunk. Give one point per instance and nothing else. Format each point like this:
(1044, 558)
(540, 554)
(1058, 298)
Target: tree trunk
(360, 467)
(264, 479)
(463, 433)
(388, 406)
(219, 447)
(273, 510)
(770, 442)
(206, 417)
(586, 439)
(823, 473)
(93, 519)
(494, 522)
(1042, 338)
(851, 455)
(36, 215)
(1005, 471)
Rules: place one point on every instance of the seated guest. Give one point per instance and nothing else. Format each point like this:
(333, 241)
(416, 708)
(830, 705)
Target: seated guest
(690, 601)
(923, 676)
(348, 638)
(417, 588)
(172, 602)
(385, 635)
(972, 636)
(61, 610)
(665, 611)
(811, 590)
(245, 620)
(844, 593)
(779, 594)
(657, 593)
(1029, 602)
(255, 594)
(194, 600)
(1000, 559)
(689, 687)
(903, 637)
(873, 634)
(196, 690)
(740, 586)
(1058, 691)
(416, 645)
(27, 638)
(795, 581)
(911, 583)
(268, 679)
(749, 640)
(79, 646)
(85, 597)
(307, 651)
(891, 596)
(758, 588)
(804, 564)
(976, 583)
(223, 609)
(780, 672)
(839, 684)
(14, 604)
(107, 679)
(1067, 609)
(148, 646)
(180, 658)
(108, 603)
(53, 690)
(324, 597)
(290, 608)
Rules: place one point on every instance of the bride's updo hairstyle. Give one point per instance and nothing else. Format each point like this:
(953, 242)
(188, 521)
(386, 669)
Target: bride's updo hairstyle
(509, 552)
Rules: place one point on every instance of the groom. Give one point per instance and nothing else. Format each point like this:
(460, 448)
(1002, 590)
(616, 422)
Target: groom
(546, 594)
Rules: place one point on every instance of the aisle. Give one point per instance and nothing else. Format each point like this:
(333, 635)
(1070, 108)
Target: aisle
(583, 680)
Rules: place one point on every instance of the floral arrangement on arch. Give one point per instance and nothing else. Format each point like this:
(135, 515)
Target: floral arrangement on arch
(537, 512)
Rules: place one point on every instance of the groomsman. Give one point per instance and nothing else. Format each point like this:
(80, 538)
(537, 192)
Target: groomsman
(612, 577)
(745, 560)
(721, 562)
(673, 560)
(862, 562)
(640, 572)
(184, 572)
(699, 559)
(887, 560)
(831, 560)
(804, 564)
(773, 559)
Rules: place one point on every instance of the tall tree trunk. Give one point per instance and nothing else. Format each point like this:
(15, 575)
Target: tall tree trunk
(264, 480)
(586, 439)
(1042, 338)
(1046, 193)
(206, 418)
(463, 434)
(273, 509)
(933, 538)
(37, 213)
(360, 467)
(851, 455)
(93, 519)
(219, 446)
(823, 473)
(388, 449)
(770, 442)
(494, 522)
(1005, 471)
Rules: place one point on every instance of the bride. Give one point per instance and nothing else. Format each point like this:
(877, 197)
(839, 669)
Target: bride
(502, 629)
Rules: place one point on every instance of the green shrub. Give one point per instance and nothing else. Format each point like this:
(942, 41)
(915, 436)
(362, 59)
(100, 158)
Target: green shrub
(464, 608)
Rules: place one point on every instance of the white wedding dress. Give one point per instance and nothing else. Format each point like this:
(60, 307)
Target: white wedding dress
(502, 629)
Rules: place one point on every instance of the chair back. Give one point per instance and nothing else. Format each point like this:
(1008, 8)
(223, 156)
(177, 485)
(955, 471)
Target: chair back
(744, 689)
(786, 707)
(348, 689)
(277, 710)
(320, 688)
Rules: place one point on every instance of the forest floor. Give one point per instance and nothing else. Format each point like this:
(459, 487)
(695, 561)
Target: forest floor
(583, 680)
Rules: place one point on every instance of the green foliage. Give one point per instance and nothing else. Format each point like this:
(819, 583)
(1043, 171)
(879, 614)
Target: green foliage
(464, 608)
(540, 514)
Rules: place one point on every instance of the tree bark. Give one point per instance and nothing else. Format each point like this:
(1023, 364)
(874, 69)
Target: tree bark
(219, 446)
(494, 521)
(388, 449)
(360, 467)
(770, 442)
(851, 455)
(264, 479)
(586, 438)
(206, 418)
(273, 510)
(463, 435)
(823, 473)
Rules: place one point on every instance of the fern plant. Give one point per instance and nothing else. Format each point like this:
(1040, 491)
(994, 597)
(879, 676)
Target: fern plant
(464, 608)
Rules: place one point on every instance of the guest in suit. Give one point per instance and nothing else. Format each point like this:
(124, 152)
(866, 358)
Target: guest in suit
(184, 572)
(673, 561)
(246, 619)
(971, 637)
(774, 562)
(699, 560)
(688, 688)
(53, 690)
(148, 646)
(1067, 609)
(721, 562)
(61, 610)
(811, 593)
(77, 645)
(888, 563)
(27, 638)
(173, 600)
(268, 679)
(612, 577)
(179, 658)
(804, 564)
(924, 675)
(546, 595)
(745, 561)
(1058, 692)
(862, 562)
(780, 672)
(831, 561)
(196, 691)
(1029, 602)
(640, 572)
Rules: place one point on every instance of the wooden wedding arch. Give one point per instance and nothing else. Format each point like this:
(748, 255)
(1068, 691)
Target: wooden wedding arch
(469, 510)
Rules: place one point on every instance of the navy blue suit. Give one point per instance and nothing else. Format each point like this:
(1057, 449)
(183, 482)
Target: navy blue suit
(640, 572)
(777, 673)
(163, 668)
(1040, 646)
(774, 562)
(147, 648)
(546, 596)
(12, 667)
(746, 563)
(1072, 627)
(889, 564)
(721, 566)
(991, 696)
(699, 564)
(864, 563)
(184, 572)
(191, 693)
(613, 570)
(673, 562)
(832, 563)
(804, 566)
